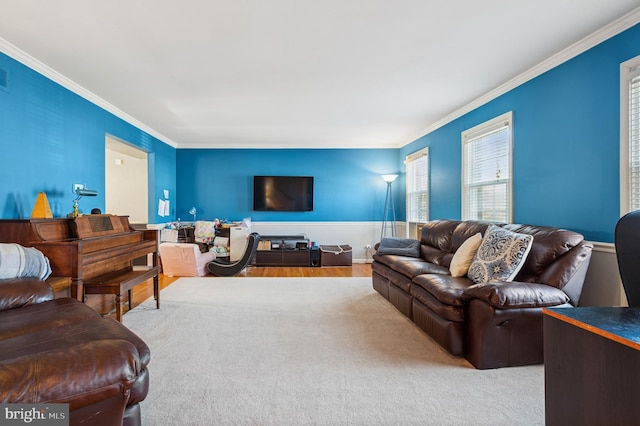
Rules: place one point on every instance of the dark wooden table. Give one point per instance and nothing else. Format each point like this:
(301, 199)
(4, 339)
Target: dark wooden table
(592, 366)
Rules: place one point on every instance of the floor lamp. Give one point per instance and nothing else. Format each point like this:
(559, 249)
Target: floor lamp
(389, 210)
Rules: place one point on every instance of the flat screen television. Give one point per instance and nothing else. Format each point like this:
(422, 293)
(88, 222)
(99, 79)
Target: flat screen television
(283, 193)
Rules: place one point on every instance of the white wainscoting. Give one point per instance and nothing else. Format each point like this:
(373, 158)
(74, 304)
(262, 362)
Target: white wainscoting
(603, 286)
(356, 234)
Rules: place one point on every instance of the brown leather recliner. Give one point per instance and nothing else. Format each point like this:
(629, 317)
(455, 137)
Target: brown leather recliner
(496, 324)
(62, 351)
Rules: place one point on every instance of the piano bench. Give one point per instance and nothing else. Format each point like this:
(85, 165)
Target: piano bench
(117, 283)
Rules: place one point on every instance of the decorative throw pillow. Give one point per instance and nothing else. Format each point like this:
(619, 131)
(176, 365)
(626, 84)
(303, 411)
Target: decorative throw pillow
(17, 261)
(399, 246)
(500, 255)
(463, 257)
(205, 229)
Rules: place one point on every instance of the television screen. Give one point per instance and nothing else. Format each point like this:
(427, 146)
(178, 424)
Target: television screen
(283, 193)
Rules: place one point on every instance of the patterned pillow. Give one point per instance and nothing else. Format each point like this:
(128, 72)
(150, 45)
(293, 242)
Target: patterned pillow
(500, 255)
(205, 229)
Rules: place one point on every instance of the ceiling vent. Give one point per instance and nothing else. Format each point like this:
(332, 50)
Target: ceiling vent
(4, 79)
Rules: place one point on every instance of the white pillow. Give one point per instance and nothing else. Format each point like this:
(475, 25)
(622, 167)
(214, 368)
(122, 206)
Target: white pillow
(500, 255)
(463, 257)
(17, 261)
(205, 230)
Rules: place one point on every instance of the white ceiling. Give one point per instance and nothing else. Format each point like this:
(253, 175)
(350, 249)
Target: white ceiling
(294, 73)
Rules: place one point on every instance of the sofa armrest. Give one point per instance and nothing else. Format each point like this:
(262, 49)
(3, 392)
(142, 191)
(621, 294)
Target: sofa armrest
(18, 292)
(516, 295)
(80, 374)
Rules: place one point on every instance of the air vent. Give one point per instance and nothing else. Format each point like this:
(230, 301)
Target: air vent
(4, 79)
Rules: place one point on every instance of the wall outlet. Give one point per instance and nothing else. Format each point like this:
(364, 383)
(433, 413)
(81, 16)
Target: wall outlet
(367, 247)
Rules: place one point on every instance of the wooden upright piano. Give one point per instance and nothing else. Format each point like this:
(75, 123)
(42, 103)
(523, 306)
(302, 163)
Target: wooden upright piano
(95, 251)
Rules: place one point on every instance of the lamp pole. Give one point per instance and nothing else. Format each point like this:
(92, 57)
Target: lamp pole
(389, 209)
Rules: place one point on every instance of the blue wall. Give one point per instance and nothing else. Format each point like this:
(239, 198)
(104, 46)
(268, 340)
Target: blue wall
(51, 138)
(566, 154)
(566, 144)
(347, 182)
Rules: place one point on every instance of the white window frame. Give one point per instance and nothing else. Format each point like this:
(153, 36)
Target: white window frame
(629, 140)
(502, 176)
(414, 223)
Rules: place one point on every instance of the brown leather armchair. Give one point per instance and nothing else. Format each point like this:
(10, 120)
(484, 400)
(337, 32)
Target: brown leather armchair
(62, 351)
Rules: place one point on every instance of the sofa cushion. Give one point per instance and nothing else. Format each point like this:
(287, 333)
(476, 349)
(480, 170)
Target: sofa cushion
(516, 295)
(411, 265)
(51, 351)
(400, 246)
(549, 244)
(500, 255)
(415, 267)
(463, 257)
(380, 268)
(435, 239)
(400, 280)
(437, 233)
(466, 230)
(444, 311)
(19, 292)
(390, 259)
(444, 288)
(58, 322)
(69, 373)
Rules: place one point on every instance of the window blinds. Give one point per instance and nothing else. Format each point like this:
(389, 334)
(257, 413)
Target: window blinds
(417, 172)
(487, 171)
(634, 140)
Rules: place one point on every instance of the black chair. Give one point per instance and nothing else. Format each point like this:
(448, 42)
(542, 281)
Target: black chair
(224, 268)
(627, 242)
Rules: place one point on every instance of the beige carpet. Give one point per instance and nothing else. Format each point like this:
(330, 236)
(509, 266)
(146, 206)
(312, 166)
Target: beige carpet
(312, 351)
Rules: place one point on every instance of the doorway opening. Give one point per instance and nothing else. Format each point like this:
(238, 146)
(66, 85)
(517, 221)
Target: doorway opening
(126, 181)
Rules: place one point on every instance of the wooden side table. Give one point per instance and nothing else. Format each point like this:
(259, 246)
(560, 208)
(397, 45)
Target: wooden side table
(592, 366)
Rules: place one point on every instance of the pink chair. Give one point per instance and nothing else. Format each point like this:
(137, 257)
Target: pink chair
(184, 260)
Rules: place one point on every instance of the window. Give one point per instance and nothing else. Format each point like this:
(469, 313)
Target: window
(417, 172)
(630, 136)
(486, 171)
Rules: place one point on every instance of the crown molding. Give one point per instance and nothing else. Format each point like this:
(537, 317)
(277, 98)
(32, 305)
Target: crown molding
(616, 27)
(31, 62)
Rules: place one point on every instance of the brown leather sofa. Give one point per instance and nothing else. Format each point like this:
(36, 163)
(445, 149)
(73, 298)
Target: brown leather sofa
(497, 324)
(62, 351)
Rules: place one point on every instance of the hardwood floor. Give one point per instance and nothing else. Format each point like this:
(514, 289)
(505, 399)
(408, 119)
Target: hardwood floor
(143, 292)
(357, 270)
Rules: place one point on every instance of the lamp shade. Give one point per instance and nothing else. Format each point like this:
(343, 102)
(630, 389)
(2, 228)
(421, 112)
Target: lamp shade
(81, 191)
(389, 178)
